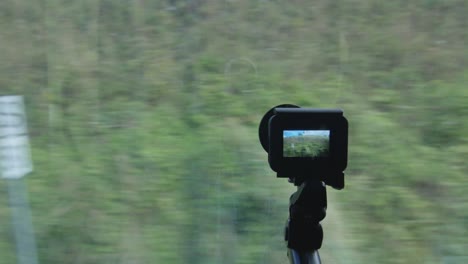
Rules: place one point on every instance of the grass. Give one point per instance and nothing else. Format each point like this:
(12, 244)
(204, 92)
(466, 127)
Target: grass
(306, 146)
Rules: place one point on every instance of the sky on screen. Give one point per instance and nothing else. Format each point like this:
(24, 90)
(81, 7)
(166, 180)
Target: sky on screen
(293, 133)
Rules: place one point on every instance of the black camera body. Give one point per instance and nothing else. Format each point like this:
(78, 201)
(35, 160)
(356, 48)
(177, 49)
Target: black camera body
(305, 143)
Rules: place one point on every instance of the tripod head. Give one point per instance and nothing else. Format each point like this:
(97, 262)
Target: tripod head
(308, 146)
(307, 207)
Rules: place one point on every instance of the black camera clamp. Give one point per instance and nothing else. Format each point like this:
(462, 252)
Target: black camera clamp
(303, 232)
(307, 205)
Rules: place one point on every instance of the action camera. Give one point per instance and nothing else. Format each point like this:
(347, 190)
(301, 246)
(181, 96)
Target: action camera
(304, 143)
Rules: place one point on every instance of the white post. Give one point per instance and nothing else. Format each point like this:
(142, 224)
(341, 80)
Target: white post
(15, 163)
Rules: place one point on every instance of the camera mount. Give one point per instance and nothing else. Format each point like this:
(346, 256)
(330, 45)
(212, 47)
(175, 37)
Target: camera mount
(303, 232)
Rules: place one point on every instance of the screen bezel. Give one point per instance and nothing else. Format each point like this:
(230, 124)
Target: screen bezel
(308, 119)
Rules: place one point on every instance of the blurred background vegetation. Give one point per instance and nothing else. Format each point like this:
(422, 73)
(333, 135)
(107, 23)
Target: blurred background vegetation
(143, 121)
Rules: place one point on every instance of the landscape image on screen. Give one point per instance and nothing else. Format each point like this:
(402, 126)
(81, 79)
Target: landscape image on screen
(306, 143)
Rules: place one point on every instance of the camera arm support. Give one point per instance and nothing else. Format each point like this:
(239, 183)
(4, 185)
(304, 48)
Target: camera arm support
(303, 232)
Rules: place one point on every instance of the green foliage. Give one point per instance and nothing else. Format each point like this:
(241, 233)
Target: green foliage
(306, 146)
(143, 123)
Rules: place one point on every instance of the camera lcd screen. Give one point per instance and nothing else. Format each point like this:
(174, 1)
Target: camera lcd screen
(306, 143)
